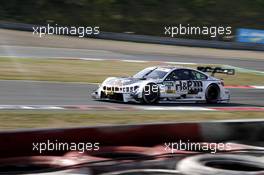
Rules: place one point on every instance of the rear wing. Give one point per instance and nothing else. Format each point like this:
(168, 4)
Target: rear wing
(218, 70)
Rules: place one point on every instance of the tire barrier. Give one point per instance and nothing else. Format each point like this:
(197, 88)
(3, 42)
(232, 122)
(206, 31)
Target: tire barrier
(144, 172)
(120, 158)
(114, 153)
(112, 160)
(37, 165)
(134, 135)
(221, 165)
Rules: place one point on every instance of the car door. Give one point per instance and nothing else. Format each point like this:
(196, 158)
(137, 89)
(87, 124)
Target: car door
(198, 82)
(184, 83)
(176, 83)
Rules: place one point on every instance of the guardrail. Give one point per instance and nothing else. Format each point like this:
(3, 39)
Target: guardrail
(153, 39)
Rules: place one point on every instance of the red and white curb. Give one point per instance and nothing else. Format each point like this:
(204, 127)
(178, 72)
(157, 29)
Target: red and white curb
(126, 108)
(172, 108)
(238, 108)
(244, 87)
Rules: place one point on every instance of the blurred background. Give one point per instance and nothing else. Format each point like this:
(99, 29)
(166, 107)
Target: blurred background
(146, 17)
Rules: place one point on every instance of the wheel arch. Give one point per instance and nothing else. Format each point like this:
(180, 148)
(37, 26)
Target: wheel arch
(216, 86)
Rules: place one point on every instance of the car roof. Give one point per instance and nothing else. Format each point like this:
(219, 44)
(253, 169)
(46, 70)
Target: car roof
(172, 67)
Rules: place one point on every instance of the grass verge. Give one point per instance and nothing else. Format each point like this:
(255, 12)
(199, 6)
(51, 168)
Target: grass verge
(52, 119)
(89, 71)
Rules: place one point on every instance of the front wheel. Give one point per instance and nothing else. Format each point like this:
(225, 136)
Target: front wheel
(150, 94)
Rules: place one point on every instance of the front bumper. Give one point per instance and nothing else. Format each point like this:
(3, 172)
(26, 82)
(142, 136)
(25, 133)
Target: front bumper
(122, 97)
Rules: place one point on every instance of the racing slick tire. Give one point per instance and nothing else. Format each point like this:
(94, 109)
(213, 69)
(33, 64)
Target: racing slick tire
(150, 94)
(212, 93)
(221, 165)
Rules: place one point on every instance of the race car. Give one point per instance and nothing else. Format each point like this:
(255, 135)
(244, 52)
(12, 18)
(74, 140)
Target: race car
(166, 83)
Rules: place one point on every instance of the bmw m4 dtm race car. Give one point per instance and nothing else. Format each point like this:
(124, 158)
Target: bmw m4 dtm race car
(166, 83)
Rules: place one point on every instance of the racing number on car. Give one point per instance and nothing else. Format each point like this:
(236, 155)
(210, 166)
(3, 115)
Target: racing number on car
(190, 87)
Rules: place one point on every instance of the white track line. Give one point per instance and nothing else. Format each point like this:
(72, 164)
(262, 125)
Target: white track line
(258, 87)
(53, 82)
(183, 63)
(92, 59)
(134, 61)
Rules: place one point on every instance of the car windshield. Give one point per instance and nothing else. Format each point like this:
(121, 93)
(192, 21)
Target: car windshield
(144, 72)
(156, 74)
(153, 72)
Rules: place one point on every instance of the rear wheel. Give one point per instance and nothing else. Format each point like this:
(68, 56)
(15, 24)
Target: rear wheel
(212, 93)
(150, 94)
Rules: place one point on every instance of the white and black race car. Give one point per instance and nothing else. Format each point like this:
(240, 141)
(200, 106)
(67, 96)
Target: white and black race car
(166, 83)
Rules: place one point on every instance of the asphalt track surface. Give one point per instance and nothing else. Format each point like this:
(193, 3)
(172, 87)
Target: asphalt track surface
(23, 44)
(46, 52)
(55, 93)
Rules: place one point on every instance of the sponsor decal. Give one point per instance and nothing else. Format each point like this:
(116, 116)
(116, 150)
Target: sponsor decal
(189, 86)
(169, 87)
(250, 35)
(170, 91)
(168, 83)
